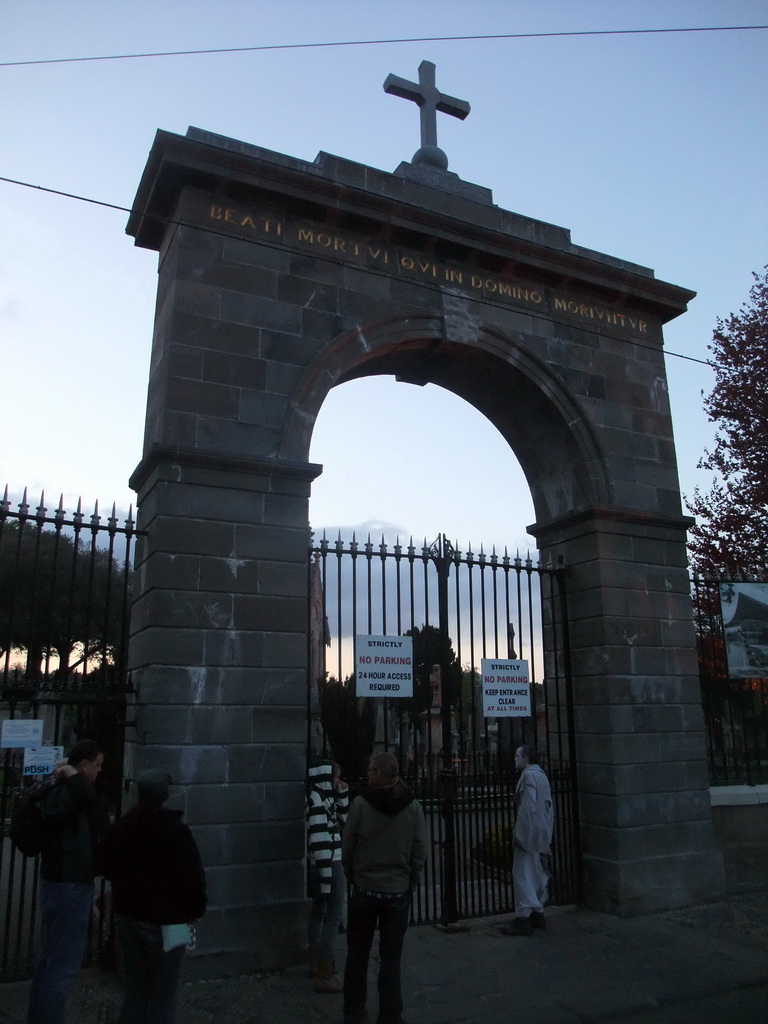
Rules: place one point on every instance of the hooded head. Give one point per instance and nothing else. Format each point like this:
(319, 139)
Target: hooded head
(153, 786)
(321, 776)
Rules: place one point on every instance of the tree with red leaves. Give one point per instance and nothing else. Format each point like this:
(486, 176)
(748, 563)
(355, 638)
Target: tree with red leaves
(731, 530)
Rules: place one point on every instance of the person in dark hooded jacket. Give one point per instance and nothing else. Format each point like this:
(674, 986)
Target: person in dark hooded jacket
(383, 853)
(152, 860)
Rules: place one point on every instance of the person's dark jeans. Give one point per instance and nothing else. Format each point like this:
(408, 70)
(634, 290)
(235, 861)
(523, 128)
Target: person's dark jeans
(151, 975)
(365, 911)
(66, 909)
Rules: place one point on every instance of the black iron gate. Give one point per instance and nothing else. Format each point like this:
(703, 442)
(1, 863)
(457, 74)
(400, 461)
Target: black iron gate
(458, 608)
(65, 590)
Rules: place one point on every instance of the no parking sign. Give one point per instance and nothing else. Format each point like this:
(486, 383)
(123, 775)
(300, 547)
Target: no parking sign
(506, 688)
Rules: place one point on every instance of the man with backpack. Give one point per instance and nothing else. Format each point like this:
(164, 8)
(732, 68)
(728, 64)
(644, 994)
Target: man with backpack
(75, 821)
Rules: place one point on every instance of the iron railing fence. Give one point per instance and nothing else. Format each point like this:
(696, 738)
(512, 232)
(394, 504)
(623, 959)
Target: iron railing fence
(459, 608)
(65, 593)
(734, 697)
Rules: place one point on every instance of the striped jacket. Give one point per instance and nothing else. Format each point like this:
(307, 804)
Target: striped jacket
(326, 815)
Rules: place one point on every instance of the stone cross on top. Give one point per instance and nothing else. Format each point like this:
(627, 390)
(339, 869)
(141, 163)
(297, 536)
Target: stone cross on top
(430, 100)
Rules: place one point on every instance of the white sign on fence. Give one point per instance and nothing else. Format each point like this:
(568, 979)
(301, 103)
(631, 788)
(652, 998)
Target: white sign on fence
(506, 688)
(22, 732)
(39, 761)
(384, 666)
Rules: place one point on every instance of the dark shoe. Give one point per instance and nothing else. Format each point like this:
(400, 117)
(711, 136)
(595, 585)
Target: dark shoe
(518, 926)
(537, 919)
(325, 979)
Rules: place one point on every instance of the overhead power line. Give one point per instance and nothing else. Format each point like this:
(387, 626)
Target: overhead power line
(386, 42)
(224, 234)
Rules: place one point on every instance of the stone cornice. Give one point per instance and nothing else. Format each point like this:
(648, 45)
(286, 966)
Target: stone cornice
(181, 455)
(203, 160)
(607, 515)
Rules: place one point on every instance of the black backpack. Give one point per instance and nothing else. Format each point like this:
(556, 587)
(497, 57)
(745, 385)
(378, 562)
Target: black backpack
(29, 829)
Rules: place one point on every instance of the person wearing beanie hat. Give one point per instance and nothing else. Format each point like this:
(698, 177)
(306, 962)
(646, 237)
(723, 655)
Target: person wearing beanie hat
(151, 858)
(153, 786)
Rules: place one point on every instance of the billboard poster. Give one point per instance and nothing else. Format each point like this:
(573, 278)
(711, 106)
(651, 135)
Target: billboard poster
(744, 608)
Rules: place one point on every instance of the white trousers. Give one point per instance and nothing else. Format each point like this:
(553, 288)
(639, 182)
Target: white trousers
(529, 878)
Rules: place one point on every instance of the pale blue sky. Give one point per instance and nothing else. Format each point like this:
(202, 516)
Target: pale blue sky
(647, 147)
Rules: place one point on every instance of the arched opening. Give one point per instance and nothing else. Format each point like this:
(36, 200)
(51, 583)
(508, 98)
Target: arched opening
(415, 461)
(548, 433)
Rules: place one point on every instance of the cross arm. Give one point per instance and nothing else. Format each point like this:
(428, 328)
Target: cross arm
(450, 105)
(396, 86)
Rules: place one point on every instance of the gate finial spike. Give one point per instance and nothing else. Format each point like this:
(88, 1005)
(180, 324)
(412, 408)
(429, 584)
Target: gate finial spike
(41, 509)
(24, 506)
(5, 504)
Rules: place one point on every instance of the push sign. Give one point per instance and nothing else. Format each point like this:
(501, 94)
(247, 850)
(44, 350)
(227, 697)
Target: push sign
(506, 688)
(39, 761)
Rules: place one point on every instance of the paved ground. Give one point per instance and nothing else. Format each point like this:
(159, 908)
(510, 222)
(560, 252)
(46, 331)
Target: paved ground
(702, 966)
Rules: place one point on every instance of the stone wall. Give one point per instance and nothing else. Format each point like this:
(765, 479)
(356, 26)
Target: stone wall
(740, 816)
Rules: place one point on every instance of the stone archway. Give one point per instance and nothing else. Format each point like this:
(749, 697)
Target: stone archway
(280, 279)
(553, 440)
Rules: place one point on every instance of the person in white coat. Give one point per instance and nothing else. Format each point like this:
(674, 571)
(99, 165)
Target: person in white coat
(531, 838)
